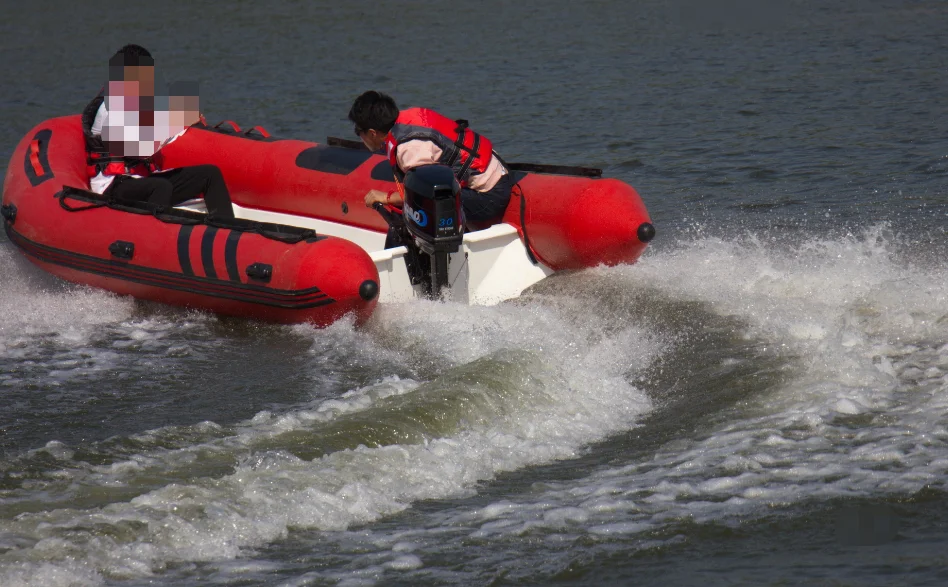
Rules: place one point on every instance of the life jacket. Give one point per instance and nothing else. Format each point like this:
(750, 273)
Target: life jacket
(465, 151)
(98, 158)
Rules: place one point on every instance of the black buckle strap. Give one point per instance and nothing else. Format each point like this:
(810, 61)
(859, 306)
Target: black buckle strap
(461, 129)
(472, 154)
(458, 145)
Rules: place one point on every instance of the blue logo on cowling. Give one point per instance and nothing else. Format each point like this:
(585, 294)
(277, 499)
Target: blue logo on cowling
(418, 216)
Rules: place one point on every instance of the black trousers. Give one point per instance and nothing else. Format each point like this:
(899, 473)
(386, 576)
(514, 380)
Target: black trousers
(485, 208)
(170, 188)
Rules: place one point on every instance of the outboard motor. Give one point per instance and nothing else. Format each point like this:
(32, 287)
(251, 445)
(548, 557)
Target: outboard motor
(432, 213)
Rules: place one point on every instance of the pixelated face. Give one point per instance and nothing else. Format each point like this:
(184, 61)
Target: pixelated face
(134, 90)
(132, 80)
(138, 125)
(144, 75)
(183, 111)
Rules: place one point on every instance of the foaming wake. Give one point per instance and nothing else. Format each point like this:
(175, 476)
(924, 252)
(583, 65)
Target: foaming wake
(863, 334)
(498, 389)
(863, 414)
(37, 306)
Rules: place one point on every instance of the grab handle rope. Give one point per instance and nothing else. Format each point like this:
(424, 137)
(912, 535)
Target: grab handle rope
(67, 192)
(278, 232)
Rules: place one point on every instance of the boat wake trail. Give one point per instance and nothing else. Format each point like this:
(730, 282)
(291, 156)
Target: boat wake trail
(482, 391)
(801, 375)
(710, 383)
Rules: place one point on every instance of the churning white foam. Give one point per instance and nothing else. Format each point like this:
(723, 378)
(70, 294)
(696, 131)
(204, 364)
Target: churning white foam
(862, 415)
(865, 414)
(56, 333)
(38, 306)
(568, 385)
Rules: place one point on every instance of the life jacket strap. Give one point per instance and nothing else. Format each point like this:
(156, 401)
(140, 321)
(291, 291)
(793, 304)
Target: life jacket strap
(462, 129)
(471, 156)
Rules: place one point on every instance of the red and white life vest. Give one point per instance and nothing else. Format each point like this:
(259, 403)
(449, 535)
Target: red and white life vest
(465, 151)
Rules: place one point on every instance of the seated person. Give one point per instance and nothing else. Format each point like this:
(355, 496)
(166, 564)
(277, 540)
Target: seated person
(178, 112)
(418, 136)
(123, 142)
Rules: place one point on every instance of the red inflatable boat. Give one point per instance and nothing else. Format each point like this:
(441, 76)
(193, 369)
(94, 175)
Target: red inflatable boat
(303, 248)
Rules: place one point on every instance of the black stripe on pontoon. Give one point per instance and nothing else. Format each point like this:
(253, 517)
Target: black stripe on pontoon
(293, 300)
(230, 255)
(184, 253)
(207, 252)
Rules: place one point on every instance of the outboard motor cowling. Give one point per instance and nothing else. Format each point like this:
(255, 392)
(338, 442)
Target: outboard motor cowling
(433, 207)
(432, 214)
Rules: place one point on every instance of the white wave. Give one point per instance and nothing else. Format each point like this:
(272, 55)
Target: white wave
(865, 415)
(572, 389)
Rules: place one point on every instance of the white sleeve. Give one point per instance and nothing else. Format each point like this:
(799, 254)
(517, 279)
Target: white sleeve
(99, 123)
(415, 153)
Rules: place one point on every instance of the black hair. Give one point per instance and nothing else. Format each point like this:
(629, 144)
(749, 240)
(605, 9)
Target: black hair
(373, 111)
(132, 56)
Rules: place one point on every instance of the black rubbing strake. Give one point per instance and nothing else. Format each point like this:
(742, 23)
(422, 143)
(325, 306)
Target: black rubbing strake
(311, 297)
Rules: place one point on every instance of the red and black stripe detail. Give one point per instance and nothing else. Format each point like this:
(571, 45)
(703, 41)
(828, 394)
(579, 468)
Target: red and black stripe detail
(207, 252)
(185, 281)
(36, 161)
(230, 255)
(184, 255)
